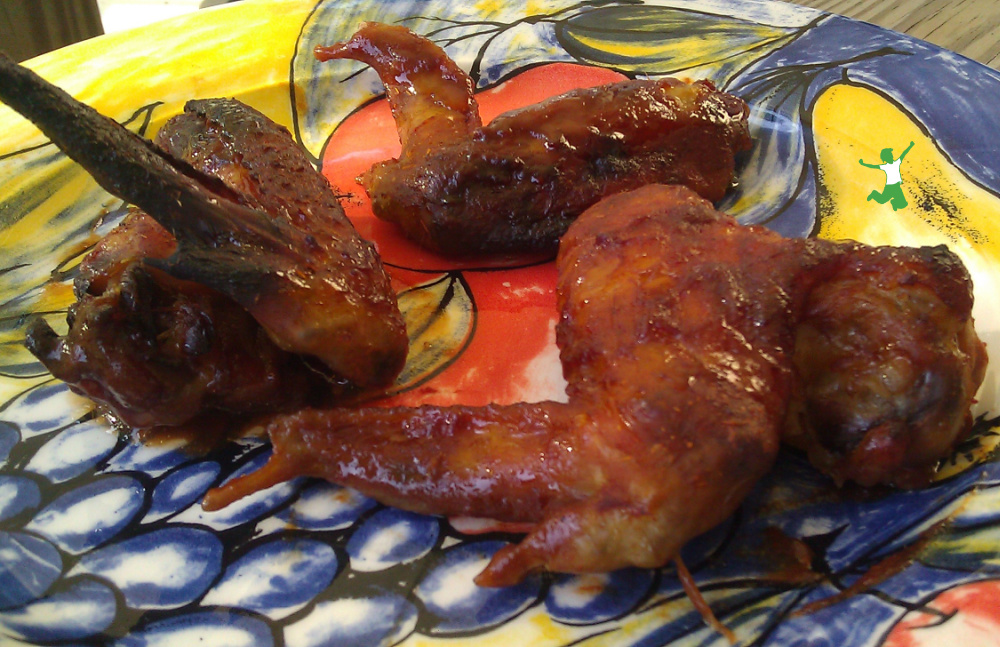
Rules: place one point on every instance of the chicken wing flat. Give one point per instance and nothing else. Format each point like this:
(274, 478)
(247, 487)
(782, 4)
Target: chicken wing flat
(516, 184)
(685, 340)
(254, 223)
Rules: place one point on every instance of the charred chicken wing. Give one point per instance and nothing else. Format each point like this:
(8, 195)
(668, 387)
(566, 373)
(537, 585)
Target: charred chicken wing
(686, 340)
(157, 351)
(243, 217)
(515, 185)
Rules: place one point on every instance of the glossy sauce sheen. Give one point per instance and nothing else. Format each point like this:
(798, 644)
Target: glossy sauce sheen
(328, 296)
(516, 184)
(154, 350)
(241, 219)
(679, 333)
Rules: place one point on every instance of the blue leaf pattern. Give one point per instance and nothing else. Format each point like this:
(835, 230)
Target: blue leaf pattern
(277, 578)
(186, 560)
(29, 565)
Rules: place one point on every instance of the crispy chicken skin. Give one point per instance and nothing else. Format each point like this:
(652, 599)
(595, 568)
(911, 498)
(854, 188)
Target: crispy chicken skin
(460, 188)
(682, 342)
(244, 216)
(888, 363)
(157, 351)
(332, 298)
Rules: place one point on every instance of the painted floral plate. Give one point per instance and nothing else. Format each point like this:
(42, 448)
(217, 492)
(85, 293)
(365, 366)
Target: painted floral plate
(103, 540)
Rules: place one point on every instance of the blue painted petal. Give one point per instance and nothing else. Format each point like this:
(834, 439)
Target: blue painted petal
(795, 499)
(277, 578)
(321, 506)
(950, 109)
(855, 621)
(73, 451)
(246, 510)
(17, 495)
(9, 437)
(919, 582)
(154, 459)
(46, 408)
(770, 179)
(202, 628)
(589, 599)
(29, 565)
(181, 488)
(458, 604)
(187, 561)
(864, 525)
(84, 609)
(91, 514)
(374, 621)
(391, 537)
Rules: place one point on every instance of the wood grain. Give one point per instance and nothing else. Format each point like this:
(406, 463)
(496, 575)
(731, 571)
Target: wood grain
(968, 27)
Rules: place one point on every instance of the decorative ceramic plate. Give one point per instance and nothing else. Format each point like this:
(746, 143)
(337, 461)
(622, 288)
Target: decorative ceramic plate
(103, 540)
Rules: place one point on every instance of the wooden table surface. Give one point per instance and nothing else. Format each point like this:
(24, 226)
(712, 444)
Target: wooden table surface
(968, 27)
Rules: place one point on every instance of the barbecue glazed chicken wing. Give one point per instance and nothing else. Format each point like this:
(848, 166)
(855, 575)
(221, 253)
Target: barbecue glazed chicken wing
(322, 291)
(242, 217)
(887, 364)
(156, 351)
(685, 338)
(460, 188)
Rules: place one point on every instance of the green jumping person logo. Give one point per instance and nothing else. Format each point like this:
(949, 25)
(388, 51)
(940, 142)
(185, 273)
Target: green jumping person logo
(893, 192)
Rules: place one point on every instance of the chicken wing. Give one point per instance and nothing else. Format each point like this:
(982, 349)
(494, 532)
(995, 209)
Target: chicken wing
(254, 222)
(888, 363)
(682, 342)
(156, 351)
(517, 183)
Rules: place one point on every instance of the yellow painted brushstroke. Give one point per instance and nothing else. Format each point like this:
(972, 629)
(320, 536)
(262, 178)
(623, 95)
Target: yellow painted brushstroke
(244, 50)
(976, 545)
(945, 206)
(439, 320)
(694, 50)
(61, 197)
(982, 502)
(679, 51)
(651, 50)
